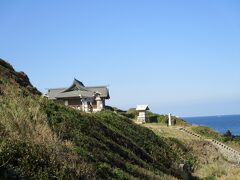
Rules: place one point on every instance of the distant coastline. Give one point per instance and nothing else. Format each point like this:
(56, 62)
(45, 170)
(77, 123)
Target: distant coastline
(218, 115)
(220, 123)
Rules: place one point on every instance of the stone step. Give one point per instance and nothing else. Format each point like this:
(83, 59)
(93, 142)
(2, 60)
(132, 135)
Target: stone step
(230, 153)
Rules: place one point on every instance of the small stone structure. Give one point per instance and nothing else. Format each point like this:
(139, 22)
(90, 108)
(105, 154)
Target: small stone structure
(142, 109)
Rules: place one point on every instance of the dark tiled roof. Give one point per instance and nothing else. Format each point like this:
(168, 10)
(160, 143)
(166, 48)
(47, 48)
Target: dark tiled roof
(52, 93)
(78, 89)
(102, 90)
(76, 93)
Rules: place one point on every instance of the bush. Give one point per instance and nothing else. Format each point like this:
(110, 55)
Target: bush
(228, 136)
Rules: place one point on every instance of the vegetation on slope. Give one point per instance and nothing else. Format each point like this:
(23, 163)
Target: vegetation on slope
(154, 117)
(228, 138)
(206, 132)
(40, 139)
(202, 156)
(114, 144)
(28, 147)
(210, 133)
(10, 76)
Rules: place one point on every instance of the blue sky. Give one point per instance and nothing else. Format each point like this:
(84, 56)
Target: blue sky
(177, 56)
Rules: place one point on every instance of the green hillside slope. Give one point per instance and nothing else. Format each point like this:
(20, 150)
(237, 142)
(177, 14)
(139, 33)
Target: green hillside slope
(40, 139)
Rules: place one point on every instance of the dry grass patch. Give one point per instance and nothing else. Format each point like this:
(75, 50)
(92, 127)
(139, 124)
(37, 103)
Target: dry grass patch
(232, 174)
(210, 162)
(22, 118)
(221, 170)
(170, 132)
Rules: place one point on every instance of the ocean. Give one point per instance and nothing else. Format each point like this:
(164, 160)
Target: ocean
(219, 123)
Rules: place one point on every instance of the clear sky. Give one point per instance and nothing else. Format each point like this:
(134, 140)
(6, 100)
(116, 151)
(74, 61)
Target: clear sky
(177, 56)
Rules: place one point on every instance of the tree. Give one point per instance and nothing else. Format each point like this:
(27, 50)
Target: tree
(228, 135)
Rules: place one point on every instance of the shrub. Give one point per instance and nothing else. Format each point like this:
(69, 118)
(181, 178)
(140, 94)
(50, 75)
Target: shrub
(228, 136)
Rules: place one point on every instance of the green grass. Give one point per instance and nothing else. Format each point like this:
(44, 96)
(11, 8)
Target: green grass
(40, 139)
(112, 141)
(154, 117)
(203, 158)
(207, 132)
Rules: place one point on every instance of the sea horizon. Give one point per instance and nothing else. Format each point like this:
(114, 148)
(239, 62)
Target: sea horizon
(220, 123)
(196, 116)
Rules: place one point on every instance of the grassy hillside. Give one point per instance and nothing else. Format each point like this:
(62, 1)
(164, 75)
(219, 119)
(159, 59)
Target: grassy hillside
(40, 139)
(206, 161)
(229, 139)
(154, 117)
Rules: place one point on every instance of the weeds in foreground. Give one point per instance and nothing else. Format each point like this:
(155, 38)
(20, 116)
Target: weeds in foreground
(22, 118)
(28, 146)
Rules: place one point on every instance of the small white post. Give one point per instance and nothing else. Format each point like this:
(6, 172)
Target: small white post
(169, 119)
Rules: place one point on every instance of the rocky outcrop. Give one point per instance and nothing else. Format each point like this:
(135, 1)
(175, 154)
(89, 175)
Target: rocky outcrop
(9, 75)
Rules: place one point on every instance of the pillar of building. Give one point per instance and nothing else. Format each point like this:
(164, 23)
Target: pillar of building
(99, 103)
(85, 107)
(66, 102)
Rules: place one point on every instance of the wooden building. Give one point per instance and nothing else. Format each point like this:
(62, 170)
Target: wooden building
(78, 96)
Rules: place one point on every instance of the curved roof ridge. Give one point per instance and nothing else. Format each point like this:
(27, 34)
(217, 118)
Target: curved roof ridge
(78, 82)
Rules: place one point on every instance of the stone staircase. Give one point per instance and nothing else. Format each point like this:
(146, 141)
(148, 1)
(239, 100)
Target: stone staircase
(229, 153)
